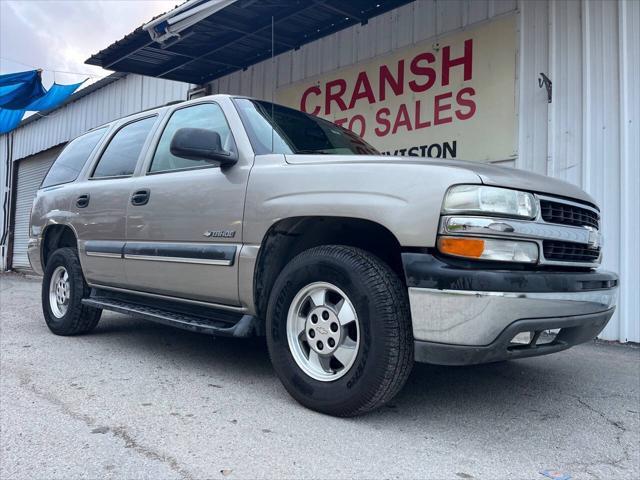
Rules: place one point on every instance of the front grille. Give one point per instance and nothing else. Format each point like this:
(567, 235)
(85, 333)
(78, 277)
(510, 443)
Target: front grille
(556, 212)
(569, 252)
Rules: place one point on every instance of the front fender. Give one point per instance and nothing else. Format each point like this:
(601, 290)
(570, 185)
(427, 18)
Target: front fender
(405, 198)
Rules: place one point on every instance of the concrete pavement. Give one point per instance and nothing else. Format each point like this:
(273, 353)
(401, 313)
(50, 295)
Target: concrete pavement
(139, 400)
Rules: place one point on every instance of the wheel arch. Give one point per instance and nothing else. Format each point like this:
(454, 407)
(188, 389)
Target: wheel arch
(290, 236)
(55, 236)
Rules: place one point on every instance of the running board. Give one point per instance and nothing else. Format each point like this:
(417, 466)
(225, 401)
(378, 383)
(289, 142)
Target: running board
(216, 322)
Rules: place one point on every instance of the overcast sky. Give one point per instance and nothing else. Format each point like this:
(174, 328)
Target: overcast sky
(62, 34)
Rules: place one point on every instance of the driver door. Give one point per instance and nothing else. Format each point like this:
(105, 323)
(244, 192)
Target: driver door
(184, 217)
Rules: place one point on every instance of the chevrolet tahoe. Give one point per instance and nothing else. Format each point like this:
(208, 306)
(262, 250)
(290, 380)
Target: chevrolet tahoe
(233, 216)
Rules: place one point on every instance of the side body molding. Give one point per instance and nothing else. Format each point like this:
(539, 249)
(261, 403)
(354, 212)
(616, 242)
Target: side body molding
(209, 254)
(104, 248)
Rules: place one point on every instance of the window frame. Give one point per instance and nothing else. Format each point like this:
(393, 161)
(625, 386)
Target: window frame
(163, 128)
(88, 161)
(141, 155)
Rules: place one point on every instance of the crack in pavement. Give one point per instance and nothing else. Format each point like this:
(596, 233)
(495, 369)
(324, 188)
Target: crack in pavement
(618, 425)
(119, 432)
(131, 442)
(620, 430)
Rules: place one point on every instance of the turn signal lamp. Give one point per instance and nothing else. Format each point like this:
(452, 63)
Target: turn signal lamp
(489, 249)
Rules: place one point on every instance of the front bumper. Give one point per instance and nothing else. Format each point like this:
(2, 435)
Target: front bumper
(464, 316)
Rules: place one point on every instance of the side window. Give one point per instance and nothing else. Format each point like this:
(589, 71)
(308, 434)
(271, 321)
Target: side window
(121, 155)
(69, 163)
(208, 116)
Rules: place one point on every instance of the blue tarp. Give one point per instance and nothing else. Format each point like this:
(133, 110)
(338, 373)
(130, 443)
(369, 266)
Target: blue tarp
(54, 97)
(9, 119)
(17, 90)
(23, 91)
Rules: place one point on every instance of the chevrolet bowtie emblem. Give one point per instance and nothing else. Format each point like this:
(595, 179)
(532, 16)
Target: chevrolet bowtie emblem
(594, 237)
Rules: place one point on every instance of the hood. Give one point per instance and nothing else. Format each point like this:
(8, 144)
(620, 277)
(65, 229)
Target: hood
(488, 174)
(521, 180)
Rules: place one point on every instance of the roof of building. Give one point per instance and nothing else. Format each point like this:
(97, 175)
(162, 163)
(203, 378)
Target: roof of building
(235, 36)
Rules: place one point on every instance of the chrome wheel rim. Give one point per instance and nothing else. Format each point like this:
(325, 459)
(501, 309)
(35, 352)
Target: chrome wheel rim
(323, 331)
(59, 292)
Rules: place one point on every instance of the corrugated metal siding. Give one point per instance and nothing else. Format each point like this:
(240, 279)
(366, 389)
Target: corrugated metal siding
(128, 95)
(600, 173)
(122, 97)
(4, 197)
(629, 54)
(412, 23)
(589, 134)
(533, 107)
(31, 171)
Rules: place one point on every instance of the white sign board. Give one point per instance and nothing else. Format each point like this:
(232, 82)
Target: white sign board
(450, 99)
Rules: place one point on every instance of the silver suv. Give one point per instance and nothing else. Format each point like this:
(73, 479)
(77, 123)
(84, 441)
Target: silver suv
(233, 216)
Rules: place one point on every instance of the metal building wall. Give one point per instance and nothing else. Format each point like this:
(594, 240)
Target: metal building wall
(127, 95)
(589, 135)
(124, 96)
(629, 104)
(31, 171)
(4, 196)
(412, 23)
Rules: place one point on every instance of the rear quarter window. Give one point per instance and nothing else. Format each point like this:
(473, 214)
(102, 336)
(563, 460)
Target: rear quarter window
(70, 162)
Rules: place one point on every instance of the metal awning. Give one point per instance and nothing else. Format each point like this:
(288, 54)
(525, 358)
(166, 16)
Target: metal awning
(202, 40)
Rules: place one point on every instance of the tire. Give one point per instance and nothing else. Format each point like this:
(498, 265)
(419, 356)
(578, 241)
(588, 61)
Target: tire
(70, 317)
(382, 357)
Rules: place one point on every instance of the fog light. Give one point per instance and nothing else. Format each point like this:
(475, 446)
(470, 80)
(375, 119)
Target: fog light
(489, 249)
(523, 338)
(548, 336)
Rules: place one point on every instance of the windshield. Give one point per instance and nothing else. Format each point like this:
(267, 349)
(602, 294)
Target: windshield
(290, 131)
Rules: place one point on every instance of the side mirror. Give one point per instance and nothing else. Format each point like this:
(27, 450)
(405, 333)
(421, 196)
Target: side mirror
(201, 144)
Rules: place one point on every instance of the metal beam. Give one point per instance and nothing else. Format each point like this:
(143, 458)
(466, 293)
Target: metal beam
(119, 59)
(187, 56)
(254, 33)
(232, 32)
(245, 32)
(340, 11)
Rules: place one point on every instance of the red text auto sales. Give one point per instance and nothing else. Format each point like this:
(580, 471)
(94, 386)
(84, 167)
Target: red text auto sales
(336, 100)
(452, 99)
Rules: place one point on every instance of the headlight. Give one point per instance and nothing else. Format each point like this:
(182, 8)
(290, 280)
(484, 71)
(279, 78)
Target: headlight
(489, 249)
(491, 201)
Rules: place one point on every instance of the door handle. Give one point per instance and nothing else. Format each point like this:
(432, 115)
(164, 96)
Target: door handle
(82, 201)
(140, 197)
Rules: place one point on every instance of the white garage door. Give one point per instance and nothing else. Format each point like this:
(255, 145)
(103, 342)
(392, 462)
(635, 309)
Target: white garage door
(31, 171)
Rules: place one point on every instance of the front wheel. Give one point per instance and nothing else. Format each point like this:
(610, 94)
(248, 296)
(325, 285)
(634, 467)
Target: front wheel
(63, 288)
(339, 330)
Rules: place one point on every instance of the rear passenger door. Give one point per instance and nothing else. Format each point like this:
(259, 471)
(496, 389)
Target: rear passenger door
(184, 218)
(100, 203)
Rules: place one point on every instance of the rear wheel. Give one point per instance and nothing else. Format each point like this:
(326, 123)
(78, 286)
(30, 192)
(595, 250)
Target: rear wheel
(339, 330)
(63, 288)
